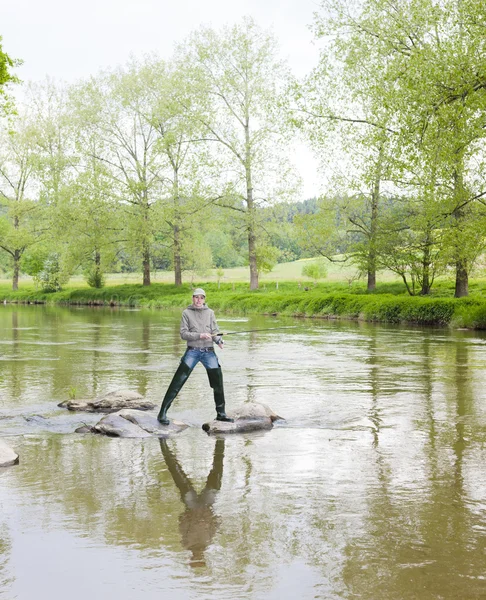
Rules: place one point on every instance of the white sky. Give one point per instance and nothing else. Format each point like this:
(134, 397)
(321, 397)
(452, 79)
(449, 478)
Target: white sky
(70, 40)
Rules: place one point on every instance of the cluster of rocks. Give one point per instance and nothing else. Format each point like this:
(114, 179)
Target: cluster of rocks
(125, 417)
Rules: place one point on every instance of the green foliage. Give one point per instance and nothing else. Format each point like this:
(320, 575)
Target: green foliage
(95, 277)
(33, 261)
(6, 77)
(50, 277)
(315, 270)
(266, 257)
(287, 300)
(224, 253)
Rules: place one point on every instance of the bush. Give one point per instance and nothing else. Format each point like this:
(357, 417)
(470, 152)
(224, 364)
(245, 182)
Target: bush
(315, 270)
(95, 278)
(50, 277)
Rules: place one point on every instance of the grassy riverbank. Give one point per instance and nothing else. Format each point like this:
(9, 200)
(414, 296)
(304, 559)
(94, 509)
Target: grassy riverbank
(327, 300)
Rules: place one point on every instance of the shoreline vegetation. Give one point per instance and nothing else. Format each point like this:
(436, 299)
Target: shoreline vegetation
(333, 300)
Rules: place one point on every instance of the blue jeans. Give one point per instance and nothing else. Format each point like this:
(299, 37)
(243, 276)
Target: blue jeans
(194, 355)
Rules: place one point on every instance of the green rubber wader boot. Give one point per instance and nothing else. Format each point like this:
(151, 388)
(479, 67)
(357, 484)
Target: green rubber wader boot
(215, 377)
(179, 379)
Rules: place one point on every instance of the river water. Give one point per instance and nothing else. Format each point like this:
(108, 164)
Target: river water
(374, 486)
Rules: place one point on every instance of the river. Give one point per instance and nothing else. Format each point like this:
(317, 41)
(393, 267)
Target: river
(373, 487)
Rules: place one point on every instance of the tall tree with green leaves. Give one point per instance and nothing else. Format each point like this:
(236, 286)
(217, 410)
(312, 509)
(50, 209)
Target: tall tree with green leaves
(426, 60)
(238, 80)
(7, 77)
(187, 186)
(112, 108)
(21, 212)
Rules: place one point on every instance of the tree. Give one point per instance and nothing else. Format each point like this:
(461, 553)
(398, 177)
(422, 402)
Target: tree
(21, 216)
(238, 80)
(419, 61)
(91, 219)
(185, 185)
(315, 270)
(7, 77)
(111, 108)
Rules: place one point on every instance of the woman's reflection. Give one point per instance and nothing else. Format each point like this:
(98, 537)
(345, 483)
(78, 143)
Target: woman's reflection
(198, 523)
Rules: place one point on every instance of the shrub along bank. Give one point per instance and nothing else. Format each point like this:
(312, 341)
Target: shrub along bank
(287, 300)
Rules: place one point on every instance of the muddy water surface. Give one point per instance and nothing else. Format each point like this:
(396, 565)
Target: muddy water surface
(373, 487)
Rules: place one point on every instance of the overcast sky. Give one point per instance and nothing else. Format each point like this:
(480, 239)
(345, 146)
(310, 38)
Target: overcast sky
(70, 40)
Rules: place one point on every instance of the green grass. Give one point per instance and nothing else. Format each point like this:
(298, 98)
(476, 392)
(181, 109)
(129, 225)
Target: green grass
(339, 296)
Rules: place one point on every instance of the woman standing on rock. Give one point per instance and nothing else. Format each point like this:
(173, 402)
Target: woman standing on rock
(200, 330)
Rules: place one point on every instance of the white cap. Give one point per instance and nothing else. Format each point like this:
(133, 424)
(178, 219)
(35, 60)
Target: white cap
(199, 292)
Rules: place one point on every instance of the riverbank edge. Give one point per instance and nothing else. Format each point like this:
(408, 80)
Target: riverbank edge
(383, 308)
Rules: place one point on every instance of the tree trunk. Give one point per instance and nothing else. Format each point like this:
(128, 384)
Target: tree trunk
(252, 257)
(375, 197)
(177, 257)
(425, 291)
(462, 280)
(177, 250)
(252, 237)
(146, 267)
(371, 285)
(16, 270)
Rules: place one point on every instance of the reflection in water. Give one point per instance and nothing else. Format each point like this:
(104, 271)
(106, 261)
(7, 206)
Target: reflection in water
(198, 523)
(5, 551)
(374, 488)
(417, 528)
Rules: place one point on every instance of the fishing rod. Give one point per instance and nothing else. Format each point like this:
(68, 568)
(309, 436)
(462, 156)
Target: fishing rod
(252, 330)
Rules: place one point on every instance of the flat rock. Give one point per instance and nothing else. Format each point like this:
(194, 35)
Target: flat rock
(129, 423)
(239, 426)
(7, 456)
(111, 402)
(151, 425)
(251, 416)
(117, 426)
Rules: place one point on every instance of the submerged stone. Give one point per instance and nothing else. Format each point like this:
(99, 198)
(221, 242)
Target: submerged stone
(111, 402)
(7, 456)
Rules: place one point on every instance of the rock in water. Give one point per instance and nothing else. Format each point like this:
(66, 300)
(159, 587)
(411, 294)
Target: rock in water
(116, 426)
(134, 424)
(151, 425)
(7, 456)
(247, 417)
(84, 429)
(239, 425)
(111, 402)
(253, 410)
